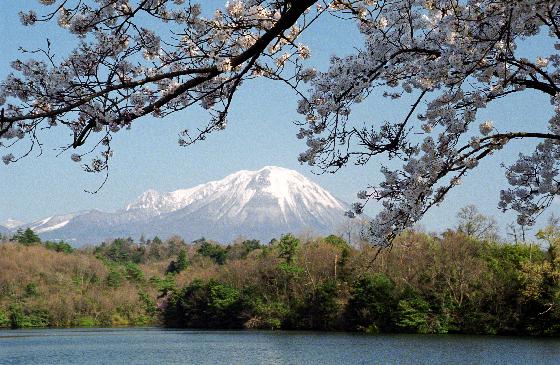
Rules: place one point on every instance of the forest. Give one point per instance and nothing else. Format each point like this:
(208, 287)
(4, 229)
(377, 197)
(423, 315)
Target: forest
(426, 283)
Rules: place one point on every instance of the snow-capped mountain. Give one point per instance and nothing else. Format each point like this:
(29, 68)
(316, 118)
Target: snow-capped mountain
(11, 223)
(52, 223)
(259, 204)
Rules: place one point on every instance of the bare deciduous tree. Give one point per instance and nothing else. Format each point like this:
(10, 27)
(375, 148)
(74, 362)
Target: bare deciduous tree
(477, 225)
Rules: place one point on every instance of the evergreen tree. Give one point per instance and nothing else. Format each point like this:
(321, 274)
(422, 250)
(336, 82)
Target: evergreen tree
(182, 261)
(181, 264)
(27, 237)
(288, 246)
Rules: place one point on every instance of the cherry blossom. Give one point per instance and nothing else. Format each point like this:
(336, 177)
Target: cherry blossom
(451, 58)
(126, 66)
(454, 59)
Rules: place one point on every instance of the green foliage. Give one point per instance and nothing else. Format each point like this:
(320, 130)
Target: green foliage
(56, 289)
(4, 319)
(425, 284)
(27, 237)
(127, 250)
(87, 321)
(17, 318)
(453, 283)
(180, 265)
(505, 259)
(371, 303)
(31, 290)
(251, 245)
(21, 319)
(322, 309)
(119, 250)
(114, 278)
(182, 261)
(412, 315)
(164, 285)
(341, 244)
(134, 273)
(149, 303)
(206, 305)
(291, 270)
(214, 251)
(267, 315)
(336, 241)
(287, 247)
(59, 246)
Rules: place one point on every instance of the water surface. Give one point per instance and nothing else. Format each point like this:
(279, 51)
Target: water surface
(160, 346)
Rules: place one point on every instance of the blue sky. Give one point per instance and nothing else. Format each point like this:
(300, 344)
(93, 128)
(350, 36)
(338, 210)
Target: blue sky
(260, 132)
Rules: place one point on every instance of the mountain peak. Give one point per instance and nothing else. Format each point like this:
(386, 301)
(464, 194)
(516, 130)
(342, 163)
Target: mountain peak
(276, 168)
(146, 200)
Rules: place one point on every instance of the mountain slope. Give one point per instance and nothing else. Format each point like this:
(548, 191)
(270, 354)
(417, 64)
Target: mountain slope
(52, 223)
(258, 204)
(11, 223)
(261, 204)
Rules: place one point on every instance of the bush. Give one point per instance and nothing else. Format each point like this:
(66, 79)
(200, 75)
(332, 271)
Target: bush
(371, 303)
(134, 273)
(206, 305)
(271, 316)
(288, 247)
(149, 303)
(21, 319)
(321, 310)
(412, 315)
(59, 246)
(87, 321)
(31, 290)
(175, 267)
(114, 278)
(214, 251)
(4, 319)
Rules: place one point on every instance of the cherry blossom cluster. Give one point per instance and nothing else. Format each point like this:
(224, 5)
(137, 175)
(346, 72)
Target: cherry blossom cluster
(146, 57)
(451, 59)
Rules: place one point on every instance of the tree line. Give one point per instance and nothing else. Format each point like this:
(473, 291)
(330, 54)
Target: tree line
(448, 283)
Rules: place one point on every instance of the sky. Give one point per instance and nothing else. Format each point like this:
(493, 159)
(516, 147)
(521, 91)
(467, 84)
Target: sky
(260, 132)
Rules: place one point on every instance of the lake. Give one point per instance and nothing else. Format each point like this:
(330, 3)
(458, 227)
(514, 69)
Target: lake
(161, 346)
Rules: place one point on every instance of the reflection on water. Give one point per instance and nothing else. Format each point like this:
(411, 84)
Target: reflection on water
(160, 346)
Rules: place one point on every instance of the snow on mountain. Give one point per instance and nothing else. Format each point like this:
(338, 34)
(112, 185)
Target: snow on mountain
(52, 223)
(11, 223)
(259, 204)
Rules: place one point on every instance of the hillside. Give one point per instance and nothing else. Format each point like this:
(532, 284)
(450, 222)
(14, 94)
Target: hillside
(40, 287)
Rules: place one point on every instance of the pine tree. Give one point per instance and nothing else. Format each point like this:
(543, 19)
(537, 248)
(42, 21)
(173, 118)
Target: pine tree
(182, 261)
(27, 237)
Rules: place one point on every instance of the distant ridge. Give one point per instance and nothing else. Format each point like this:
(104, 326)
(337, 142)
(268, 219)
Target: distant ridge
(10, 223)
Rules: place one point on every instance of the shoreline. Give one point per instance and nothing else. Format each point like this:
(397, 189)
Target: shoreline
(282, 331)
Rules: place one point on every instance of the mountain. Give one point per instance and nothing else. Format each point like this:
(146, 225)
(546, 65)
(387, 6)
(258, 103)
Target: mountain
(10, 223)
(259, 204)
(52, 223)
